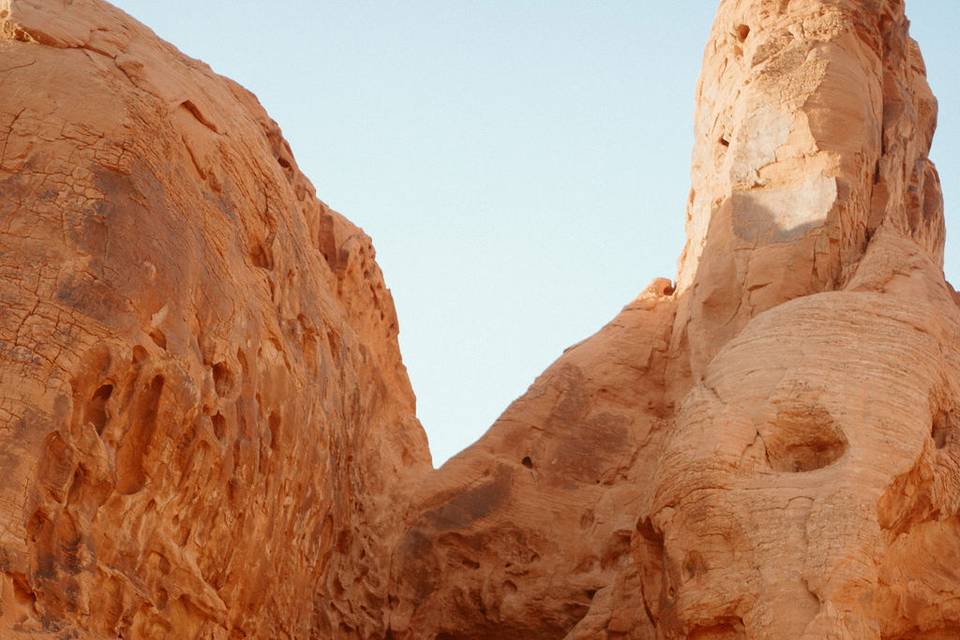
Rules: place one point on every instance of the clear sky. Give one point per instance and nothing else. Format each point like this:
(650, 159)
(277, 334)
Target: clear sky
(522, 165)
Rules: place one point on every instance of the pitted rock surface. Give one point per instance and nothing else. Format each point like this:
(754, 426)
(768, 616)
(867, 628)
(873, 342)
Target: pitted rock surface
(207, 432)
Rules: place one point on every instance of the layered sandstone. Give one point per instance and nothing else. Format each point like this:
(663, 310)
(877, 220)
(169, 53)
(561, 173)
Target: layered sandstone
(208, 431)
(770, 449)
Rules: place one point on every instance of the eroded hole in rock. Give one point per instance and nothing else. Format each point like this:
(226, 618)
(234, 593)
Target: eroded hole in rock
(262, 256)
(940, 431)
(36, 524)
(813, 455)
(742, 31)
(527, 462)
(803, 438)
(649, 533)
(96, 409)
(159, 338)
(219, 425)
(131, 474)
(723, 142)
(22, 592)
(194, 110)
(183, 535)
(222, 379)
(722, 630)
(139, 354)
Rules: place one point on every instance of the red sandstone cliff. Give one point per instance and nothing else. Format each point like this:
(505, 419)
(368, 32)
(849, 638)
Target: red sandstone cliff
(207, 431)
(771, 449)
(204, 412)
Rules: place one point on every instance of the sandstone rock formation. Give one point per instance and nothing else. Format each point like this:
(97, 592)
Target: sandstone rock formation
(204, 412)
(770, 449)
(207, 430)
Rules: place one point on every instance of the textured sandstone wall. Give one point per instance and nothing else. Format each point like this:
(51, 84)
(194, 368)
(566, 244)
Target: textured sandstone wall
(768, 450)
(524, 532)
(813, 124)
(207, 431)
(203, 411)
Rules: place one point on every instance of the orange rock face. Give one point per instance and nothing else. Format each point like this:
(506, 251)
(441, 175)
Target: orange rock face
(206, 429)
(204, 412)
(771, 449)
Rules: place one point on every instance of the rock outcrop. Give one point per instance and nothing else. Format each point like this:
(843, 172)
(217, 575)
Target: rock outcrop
(204, 411)
(770, 448)
(207, 429)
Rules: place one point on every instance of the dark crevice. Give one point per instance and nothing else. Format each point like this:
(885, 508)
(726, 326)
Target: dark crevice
(96, 409)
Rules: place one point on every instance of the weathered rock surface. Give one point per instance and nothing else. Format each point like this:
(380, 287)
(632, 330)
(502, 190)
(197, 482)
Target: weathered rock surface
(204, 413)
(207, 430)
(771, 449)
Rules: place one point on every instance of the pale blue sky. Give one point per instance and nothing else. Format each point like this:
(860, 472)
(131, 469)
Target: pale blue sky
(522, 166)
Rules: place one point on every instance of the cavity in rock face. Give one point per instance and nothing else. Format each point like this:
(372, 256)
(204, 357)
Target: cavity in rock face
(207, 430)
(763, 451)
